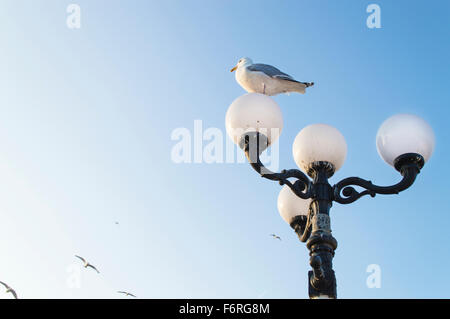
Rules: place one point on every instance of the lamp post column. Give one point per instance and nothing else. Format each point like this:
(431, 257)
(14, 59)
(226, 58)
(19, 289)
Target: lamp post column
(321, 243)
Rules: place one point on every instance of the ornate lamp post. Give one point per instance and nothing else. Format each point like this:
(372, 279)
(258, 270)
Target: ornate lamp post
(254, 121)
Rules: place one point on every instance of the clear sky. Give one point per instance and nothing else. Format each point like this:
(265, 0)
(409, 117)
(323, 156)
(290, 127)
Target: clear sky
(86, 117)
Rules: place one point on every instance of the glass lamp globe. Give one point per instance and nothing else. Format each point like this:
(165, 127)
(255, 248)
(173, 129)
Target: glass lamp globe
(254, 112)
(404, 133)
(319, 142)
(290, 205)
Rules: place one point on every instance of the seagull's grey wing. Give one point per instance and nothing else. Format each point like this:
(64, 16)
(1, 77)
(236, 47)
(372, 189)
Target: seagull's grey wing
(6, 286)
(82, 259)
(132, 295)
(270, 71)
(121, 292)
(14, 293)
(93, 267)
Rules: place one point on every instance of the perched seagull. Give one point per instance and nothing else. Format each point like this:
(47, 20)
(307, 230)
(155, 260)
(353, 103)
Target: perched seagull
(9, 289)
(86, 264)
(275, 236)
(266, 79)
(126, 293)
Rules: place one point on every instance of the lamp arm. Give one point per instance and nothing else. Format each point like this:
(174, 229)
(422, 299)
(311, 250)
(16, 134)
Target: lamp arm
(302, 187)
(350, 194)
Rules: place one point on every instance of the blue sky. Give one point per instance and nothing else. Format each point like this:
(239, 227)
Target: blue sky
(86, 117)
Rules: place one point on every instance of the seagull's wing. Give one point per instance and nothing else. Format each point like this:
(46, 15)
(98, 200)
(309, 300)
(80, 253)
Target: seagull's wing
(89, 265)
(278, 237)
(270, 71)
(14, 293)
(126, 293)
(82, 259)
(6, 286)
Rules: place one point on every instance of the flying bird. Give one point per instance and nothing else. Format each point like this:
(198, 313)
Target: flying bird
(275, 236)
(86, 264)
(9, 289)
(126, 293)
(266, 79)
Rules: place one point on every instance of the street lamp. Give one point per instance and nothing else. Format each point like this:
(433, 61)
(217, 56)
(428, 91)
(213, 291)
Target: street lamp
(254, 121)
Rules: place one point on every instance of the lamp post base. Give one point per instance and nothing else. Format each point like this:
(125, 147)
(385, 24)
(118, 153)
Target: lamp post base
(327, 293)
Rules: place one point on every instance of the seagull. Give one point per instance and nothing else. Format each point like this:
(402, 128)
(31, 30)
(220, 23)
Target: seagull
(126, 293)
(9, 289)
(86, 264)
(275, 236)
(266, 79)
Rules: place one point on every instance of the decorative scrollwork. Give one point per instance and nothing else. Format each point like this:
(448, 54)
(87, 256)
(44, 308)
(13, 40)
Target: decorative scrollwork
(409, 165)
(350, 194)
(302, 187)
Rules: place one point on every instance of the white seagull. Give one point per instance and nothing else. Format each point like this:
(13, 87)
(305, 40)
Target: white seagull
(86, 264)
(275, 236)
(9, 289)
(126, 293)
(266, 79)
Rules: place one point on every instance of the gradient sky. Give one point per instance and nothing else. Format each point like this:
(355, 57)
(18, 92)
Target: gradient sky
(86, 117)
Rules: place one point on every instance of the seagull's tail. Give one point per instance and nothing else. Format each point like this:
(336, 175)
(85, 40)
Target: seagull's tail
(295, 86)
(301, 86)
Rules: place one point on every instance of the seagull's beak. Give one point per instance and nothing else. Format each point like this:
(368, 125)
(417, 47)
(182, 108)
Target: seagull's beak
(233, 69)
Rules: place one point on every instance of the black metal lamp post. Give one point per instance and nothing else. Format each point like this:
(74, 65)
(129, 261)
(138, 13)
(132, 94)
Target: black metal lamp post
(404, 141)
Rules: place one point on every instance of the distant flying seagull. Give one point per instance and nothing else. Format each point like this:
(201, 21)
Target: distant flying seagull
(86, 264)
(126, 293)
(9, 289)
(266, 79)
(275, 236)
